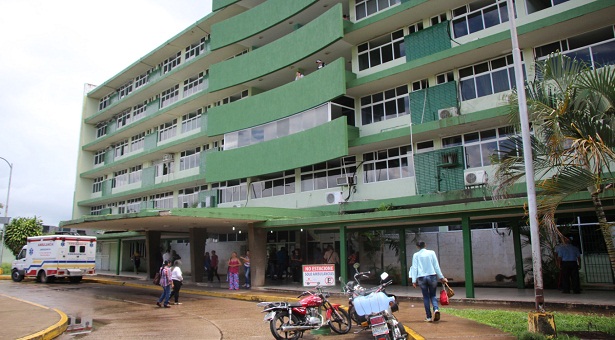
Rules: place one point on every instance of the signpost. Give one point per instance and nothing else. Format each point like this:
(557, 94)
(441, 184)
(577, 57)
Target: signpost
(323, 274)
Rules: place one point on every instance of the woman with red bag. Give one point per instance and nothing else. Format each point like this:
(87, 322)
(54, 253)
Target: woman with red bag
(425, 272)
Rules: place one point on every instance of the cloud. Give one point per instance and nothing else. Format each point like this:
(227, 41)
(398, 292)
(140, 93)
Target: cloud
(50, 50)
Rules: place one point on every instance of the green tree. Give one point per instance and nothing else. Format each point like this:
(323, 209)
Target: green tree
(19, 230)
(571, 109)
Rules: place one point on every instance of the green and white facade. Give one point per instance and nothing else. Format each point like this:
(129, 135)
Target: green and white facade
(212, 134)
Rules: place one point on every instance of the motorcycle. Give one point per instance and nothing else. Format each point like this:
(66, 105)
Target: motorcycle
(373, 308)
(289, 320)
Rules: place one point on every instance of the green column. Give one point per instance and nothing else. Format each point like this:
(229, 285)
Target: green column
(152, 244)
(197, 252)
(118, 268)
(343, 255)
(403, 260)
(467, 256)
(518, 255)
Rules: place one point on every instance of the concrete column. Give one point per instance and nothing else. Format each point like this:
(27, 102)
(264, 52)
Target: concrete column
(257, 244)
(467, 256)
(403, 260)
(118, 267)
(518, 254)
(343, 255)
(154, 258)
(198, 236)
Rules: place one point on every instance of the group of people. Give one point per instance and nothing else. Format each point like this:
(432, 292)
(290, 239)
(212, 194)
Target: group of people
(171, 280)
(211, 263)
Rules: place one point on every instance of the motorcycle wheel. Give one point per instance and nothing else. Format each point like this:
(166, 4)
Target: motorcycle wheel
(282, 319)
(340, 321)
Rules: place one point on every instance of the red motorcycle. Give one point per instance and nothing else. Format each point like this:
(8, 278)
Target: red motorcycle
(288, 320)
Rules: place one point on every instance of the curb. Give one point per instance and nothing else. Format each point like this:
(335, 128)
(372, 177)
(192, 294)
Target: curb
(50, 332)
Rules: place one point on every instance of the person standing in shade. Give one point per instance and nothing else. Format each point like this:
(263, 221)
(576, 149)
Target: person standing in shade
(207, 266)
(331, 257)
(425, 272)
(166, 281)
(136, 261)
(320, 64)
(178, 280)
(569, 262)
(214, 266)
(246, 268)
(296, 261)
(233, 272)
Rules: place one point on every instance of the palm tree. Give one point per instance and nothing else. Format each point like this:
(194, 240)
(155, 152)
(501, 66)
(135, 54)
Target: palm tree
(572, 110)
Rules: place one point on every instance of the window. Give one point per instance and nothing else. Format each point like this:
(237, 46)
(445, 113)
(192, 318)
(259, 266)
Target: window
(135, 174)
(478, 16)
(275, 185)
(385, 105)
(445, 78)
(364, 8)
(123, 118)
(121, 148)
(96, 210)
(167, 130)
(420, 85)
(125, 90)
(415, 27)
(164, 168)
(171, 63)
(162, 201)
(120, 179)
(132, 206)
(189, 159)
(487, 78)
(194, 84)
(191, 121)
(231, 191)
(438, 19)
(104, 102)
(140, 80)
(195, 49)
(97, 186)
(479, 146)
(539, 5)
(324, 175)
(138, 111)
(388, 164)
(99, 157)
(189, 197)
(234, 98)
(137, 142)
(424, 146)
(381, 50)
(169, 96)
(101, 129)
(595, 48)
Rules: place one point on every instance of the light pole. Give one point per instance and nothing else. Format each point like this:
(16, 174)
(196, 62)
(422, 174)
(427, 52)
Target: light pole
(6, 207)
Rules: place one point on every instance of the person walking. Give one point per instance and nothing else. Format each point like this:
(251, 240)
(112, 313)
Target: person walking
(178, 280)
(296, 261)
(425, 272)
(233, 272)
(246, 269)
(569, 262)
(207, 266)
(214, 266)
(166, 281)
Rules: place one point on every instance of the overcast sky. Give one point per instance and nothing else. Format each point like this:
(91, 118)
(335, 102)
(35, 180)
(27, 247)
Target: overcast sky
(48, 51)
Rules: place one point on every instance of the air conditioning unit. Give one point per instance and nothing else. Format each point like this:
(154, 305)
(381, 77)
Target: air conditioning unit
(167, 157)
(448, 112)
(335, 197)
(344, 180)
(475, 177)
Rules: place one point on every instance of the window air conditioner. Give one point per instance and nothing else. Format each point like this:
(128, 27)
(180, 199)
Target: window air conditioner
(344, 180)
(475, 177)
(447, 113)
(335, 197)
(167, 157)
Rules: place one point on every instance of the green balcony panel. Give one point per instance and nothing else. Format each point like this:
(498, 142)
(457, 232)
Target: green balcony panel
(254, 21)
(280, 102)
(322, 143)
(309, 39)
(428, 41)
(220, 4)
(111, 126)
(106, 188)
(151, 141)
(439, 171)
(109, 156)
(424, 104)
(148, 177)
(211, 195)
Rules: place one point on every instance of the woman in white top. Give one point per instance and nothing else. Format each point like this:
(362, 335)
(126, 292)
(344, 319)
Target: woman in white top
(178, 279)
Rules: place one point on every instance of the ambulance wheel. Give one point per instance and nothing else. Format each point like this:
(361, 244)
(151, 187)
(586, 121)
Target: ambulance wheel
(42, 277)
(16, 276)
(75, 279)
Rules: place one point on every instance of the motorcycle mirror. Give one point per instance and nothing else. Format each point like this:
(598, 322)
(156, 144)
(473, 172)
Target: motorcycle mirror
(356, 265)
(384, 276)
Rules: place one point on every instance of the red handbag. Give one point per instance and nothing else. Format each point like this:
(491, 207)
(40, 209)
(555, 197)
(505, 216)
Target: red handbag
(443, 297)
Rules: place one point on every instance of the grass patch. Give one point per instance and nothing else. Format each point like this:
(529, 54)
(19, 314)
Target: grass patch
(516, 323)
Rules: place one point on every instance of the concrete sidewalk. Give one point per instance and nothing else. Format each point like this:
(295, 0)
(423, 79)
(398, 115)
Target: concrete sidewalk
(32, 321)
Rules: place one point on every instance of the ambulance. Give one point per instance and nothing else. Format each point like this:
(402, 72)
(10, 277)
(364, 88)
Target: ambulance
(56, 256)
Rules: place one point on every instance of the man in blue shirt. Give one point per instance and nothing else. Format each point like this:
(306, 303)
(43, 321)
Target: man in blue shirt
(568, 260)
(425, 272)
